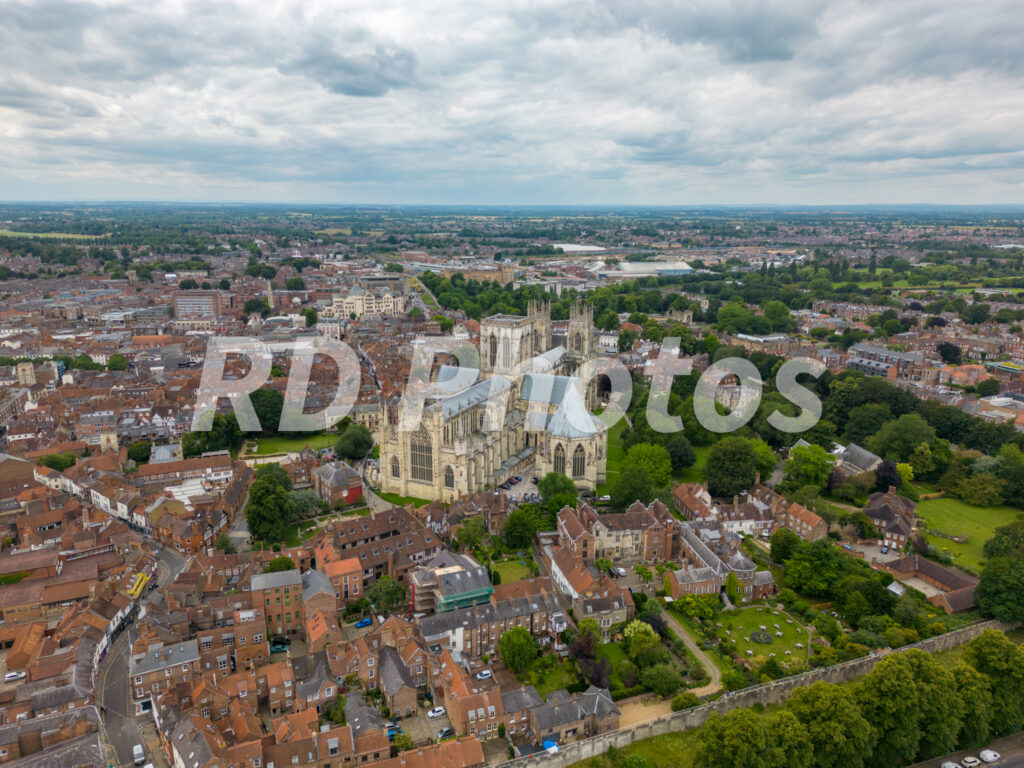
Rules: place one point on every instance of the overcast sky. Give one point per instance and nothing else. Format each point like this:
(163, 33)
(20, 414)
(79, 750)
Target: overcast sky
(472, 101)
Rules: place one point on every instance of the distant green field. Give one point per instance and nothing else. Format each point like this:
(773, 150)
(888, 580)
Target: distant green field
(50, 235)
(955, 518)
(270, 445)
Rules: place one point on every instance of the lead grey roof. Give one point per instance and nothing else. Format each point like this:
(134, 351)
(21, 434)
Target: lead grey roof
(290, 578)
(167, 656)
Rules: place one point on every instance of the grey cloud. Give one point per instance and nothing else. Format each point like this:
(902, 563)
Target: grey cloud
(356, 73)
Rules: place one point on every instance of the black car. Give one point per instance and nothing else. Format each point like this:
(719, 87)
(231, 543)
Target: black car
(445, 733)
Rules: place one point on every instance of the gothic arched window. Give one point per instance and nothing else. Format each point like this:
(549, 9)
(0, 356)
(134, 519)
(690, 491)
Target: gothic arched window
(421, 456)
(559, 459)
(493, 350)
(577, 343)
(579, 462)
(394, 467)
(449, 478)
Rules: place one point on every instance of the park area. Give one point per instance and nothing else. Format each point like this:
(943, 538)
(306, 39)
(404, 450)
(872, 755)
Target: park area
(954, 517)
(781, 634)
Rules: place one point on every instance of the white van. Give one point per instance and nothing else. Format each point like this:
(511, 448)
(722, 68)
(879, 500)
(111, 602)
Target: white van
(139, 754)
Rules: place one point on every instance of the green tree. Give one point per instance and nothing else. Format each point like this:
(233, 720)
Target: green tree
(140, 451)
(278, 564)
(519, 528)
(354, 443)
(275, 473)
(472, 532)
(784, 543)
(788, 743)
(838, 734)
(386, 593)
(603, 564)
(897, 439)
(816, 568)
(1000, 593)
(58, 461)
(117, 362)
(988, 387)
(518, 649)
(268, 510)
(731, 467)
(680, 453)
(654, 459)
(256, 307)
(268, 404)
(662, 679)
(975, 694)
(1002, 662)
(224, 284)
(734, 740)
(294, 284)
(223, 543)
(303, 503)
(808, 465)
(634, 485)
(865, 420)
(402, 742)
(555, 487)
(685, 700)
(889, 701)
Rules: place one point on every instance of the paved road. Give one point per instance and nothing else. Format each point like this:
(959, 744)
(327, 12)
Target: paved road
(714, 673)
(122, 729)
(1011, 750)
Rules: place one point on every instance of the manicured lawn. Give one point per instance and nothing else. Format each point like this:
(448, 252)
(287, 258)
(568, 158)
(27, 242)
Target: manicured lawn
(616, 455)
(750, 619)
(270, 445)
(954, 517)
(401, 501)
(695, 474)
(613, 652)
(511, 570)
(547, 676)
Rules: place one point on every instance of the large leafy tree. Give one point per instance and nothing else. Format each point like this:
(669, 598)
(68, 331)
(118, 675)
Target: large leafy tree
(732, 466)
(889, 701)
(354, 443)
(386, 593)
(554, 487)
(274, 472)
(734, 740)
(518, 649)
(268, 404)
(680, 452)
(784, 543)
(1000, 593)
(839, 735)
(653, 458)
(519, 529)
(975, 694)
(278, 564)
(897, 439)
(1002, 662)
(788, 743)
(268, 511)
(631, 486)
(808, 465)
(140, 452)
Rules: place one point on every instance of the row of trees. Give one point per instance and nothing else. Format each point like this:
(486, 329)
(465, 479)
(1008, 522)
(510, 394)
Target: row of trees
(910, 707)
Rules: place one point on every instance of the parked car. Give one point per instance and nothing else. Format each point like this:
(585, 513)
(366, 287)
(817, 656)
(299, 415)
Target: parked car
(445, 733)
(281, 640)
(10, 677)
(988, 755)
(483, 674)
(612, 573)
(138, 754)
(436, 712)
(606, 497)
(518, 479)
(620, 571)
(948, 764)
(534, 480)
(392, 732)
(277, 648)
(364, 623)
(970, 762)
(885, 549)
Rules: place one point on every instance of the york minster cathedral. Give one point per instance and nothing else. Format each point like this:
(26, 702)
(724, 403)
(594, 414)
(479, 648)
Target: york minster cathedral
(529, 413)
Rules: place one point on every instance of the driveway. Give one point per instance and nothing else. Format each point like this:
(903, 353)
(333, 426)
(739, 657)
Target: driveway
(714, 673)
(421, 729)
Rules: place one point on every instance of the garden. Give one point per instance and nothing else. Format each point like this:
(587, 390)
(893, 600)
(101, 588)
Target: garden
(954, 517)
(760, 632)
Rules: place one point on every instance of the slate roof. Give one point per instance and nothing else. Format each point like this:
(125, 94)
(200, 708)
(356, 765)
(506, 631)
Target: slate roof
(291, 578)
(394, 675)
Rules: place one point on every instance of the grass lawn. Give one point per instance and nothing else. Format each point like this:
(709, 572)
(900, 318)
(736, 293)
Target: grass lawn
(401, 501)
(270, 445)
(616, 455)
(547, 677)
(750, 619)
(511, 570)
(695, 474)
(673, 750)
(954, 517)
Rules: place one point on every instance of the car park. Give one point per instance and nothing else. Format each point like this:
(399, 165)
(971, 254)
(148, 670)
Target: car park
(364, 623)
(989, 755)
(436, 712)
(445, 733)
(483, 674)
